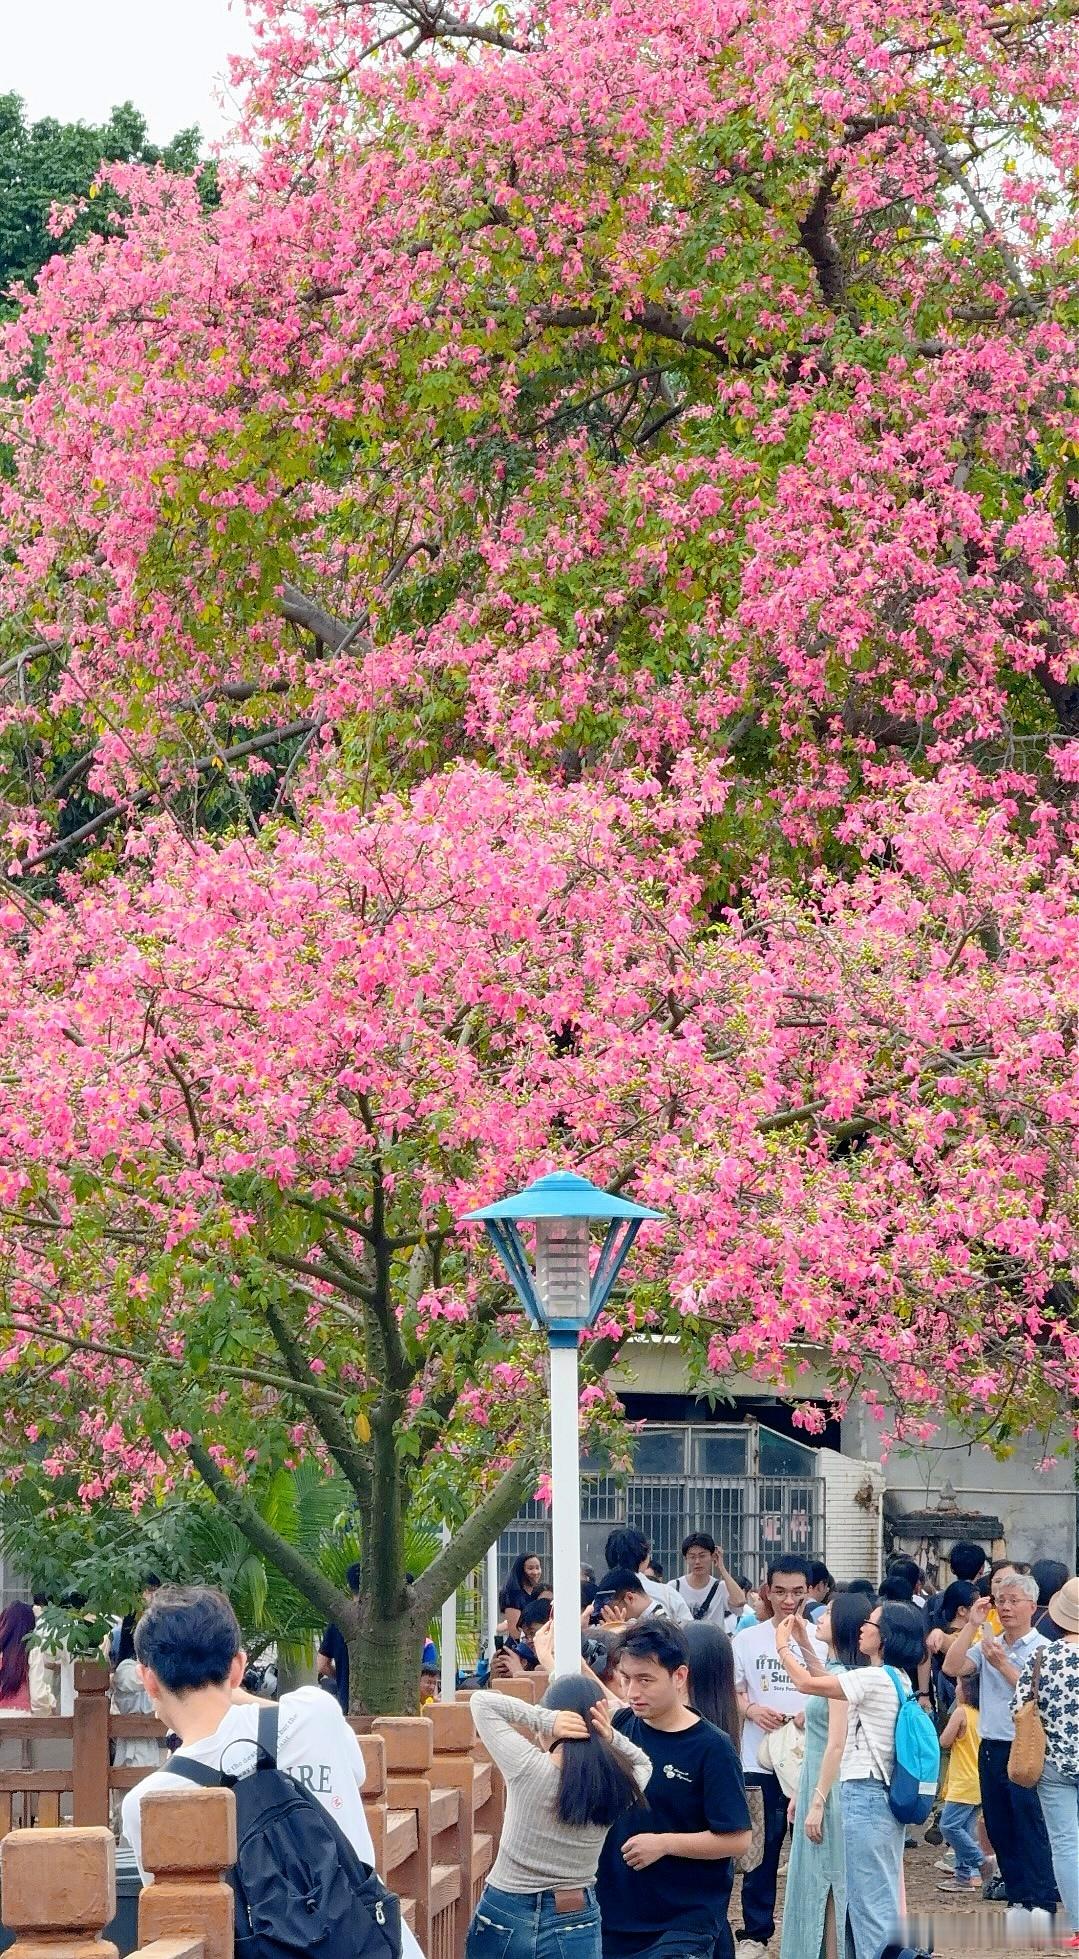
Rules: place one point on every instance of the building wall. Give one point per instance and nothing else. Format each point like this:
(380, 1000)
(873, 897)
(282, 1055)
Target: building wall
(1039, 1509)
(12, 1587)
(853, 1517)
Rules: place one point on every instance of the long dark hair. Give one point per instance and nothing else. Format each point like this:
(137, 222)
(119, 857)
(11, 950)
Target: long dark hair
(16, 1624)
(594, 1786)
(516, 1579)
(848, 1613)
(711, 1678)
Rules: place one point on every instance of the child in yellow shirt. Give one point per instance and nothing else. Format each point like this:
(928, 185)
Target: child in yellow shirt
(962, 1789)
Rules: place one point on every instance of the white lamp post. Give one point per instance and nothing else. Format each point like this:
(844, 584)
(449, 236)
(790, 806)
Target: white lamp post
(564, 1296)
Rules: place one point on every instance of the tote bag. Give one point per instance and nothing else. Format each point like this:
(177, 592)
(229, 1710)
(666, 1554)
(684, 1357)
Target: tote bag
(1026, 1762)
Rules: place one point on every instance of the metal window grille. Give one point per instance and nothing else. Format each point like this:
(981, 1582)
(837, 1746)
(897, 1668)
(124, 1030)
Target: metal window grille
(753, 1516)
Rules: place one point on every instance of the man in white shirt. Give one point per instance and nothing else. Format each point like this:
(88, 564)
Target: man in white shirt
(768, 1699)
(629, 1550)
(191, 1662)
(707, 1586)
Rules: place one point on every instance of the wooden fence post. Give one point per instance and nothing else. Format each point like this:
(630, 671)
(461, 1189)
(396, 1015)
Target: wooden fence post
(409, 1756)
(90, 1745)
(188, 1839)
(59, 1893)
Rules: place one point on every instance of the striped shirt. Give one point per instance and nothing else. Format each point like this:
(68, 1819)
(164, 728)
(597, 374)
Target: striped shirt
(874, 1710)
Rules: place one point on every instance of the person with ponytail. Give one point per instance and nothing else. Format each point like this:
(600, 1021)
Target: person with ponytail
(569, 1775)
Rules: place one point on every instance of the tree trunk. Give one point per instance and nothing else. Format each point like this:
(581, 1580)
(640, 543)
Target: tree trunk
(384, 1667)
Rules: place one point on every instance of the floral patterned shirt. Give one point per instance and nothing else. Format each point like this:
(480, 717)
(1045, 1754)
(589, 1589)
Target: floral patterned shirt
(1058, 1701)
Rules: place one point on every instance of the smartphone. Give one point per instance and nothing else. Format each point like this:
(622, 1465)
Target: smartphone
(601, 1599)
(500, 1642)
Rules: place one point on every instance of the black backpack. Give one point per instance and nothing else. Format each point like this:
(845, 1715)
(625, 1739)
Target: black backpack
(300, 1886)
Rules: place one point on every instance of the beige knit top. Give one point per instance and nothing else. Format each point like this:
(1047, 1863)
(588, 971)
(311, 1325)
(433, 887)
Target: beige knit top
(539, 1852)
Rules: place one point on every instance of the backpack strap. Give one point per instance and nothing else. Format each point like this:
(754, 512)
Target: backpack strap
(266, 1739)
(702, 1610)
(197, 1772)
(208, 1778)
(864, 1726)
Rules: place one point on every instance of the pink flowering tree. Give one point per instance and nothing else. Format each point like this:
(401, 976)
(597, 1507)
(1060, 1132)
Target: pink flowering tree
(541, 629)
(246, 1100)
(687, 390)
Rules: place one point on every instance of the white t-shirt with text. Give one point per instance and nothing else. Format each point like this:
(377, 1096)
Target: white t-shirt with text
(760, 1673)
(315, 1746)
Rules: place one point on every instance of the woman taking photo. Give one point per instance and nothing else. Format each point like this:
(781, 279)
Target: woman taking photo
(892, 1636)
(524, 1581)
(569, 1775)
(816, 1894)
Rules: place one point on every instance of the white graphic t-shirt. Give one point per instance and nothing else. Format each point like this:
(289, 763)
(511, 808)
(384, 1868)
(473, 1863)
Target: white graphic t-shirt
(760, 1673)
(315, 1746)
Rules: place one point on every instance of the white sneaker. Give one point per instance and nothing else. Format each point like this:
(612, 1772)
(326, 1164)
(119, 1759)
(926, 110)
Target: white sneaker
(946, 1863)
(751, 1949)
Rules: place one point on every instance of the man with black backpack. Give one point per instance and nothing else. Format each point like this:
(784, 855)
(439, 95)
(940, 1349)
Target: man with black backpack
(296, 1769)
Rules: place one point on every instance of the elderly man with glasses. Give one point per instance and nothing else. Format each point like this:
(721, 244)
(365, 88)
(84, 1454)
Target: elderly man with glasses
(1013, 1816)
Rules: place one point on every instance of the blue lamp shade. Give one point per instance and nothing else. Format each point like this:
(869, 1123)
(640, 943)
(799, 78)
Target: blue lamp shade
(562, 1294)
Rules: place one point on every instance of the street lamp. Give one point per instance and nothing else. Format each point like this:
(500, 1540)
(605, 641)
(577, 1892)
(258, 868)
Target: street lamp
(564, 1296)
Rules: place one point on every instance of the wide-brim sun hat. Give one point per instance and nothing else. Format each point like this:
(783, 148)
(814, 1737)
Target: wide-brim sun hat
(1064, 1607)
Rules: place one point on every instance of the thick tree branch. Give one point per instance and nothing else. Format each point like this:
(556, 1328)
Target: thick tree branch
(269, 738)
(475, 1537)
(650, 318)
(980, 209)
(326, 1419)
(816, 234)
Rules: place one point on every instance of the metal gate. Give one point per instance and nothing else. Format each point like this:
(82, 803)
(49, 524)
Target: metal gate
(757, 1493)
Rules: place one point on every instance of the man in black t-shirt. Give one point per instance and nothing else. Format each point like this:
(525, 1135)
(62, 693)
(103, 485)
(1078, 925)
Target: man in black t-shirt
(665, 1872)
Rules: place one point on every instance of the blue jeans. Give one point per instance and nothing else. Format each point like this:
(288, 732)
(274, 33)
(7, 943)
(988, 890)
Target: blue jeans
(525, 1925)
(873, 1848)
(956, 1824)
(1059, 1798)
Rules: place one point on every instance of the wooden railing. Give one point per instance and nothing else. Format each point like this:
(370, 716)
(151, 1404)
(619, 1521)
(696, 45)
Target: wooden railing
(59, 1886)
(56, 1768)
(432, 1797)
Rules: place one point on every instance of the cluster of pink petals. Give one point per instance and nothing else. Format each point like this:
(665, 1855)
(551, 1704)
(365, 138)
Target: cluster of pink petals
(858, 1113)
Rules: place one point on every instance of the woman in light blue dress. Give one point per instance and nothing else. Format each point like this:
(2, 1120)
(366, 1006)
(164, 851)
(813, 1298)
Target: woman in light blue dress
(815, 1900)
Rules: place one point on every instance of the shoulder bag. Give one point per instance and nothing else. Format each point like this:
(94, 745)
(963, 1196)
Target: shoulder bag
(1026, 1762)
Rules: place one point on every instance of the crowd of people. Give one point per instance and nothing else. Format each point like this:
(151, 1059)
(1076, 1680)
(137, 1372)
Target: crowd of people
(807, 1680)
(713, 1725)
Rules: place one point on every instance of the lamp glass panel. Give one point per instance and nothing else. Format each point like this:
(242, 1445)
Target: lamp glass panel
(563, 1280)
